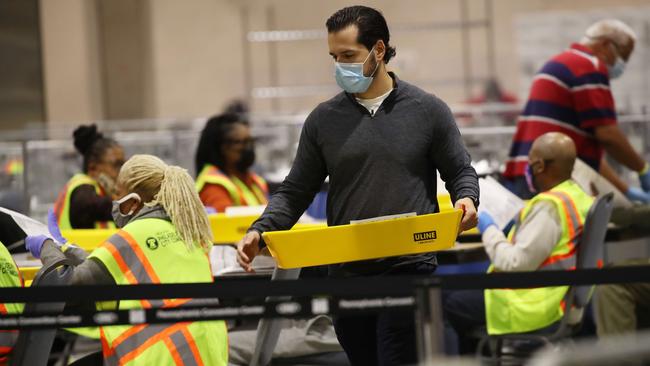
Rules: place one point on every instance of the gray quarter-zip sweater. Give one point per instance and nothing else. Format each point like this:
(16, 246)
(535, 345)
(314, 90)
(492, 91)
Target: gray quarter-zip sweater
(92, 271)
(377, 165)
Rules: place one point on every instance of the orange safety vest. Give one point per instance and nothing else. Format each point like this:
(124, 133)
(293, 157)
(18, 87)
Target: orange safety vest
(62, 204)
(240, 193)
(150, 251)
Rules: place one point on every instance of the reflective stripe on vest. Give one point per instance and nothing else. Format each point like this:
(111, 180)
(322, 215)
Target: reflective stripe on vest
(239, 192)
(7, 341)
(62, 204)
(566, 260)
(10, 277)
(524, 310)
(176, 338)
(140, 270)
(251, 196)
(130, 259)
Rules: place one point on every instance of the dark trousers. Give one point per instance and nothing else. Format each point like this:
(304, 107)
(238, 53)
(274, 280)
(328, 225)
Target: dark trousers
(383, 339)
(464, 313)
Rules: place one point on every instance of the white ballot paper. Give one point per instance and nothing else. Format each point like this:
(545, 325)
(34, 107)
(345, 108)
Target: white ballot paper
(234, 211)
(30, 226)
(596, 185)
(383, 218)
(498, 202)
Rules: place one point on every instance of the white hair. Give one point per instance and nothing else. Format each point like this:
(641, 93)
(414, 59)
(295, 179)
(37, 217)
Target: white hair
(611, 29)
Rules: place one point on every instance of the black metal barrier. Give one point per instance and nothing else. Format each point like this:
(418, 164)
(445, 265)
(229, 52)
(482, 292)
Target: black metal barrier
(309, 296)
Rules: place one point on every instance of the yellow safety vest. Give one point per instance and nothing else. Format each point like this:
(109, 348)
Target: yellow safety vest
(62, 204)
(9, 277)
(147, 251)
(525, 310)
(239, 192)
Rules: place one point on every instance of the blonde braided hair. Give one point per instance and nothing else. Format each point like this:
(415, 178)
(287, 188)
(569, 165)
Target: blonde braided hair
(172, 188)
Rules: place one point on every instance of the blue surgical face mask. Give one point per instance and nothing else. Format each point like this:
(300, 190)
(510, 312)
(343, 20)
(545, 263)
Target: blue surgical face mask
(350, 76)
(530, 178)
(616, 70)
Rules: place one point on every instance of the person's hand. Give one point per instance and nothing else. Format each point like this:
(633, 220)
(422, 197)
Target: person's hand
(34, 244)
(644, 178)
(470, 219)
(637, 195)
(53, 227)
(485, 221)
(210, 210)
(247, 249)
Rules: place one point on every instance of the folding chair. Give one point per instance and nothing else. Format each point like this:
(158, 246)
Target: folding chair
(507, 349)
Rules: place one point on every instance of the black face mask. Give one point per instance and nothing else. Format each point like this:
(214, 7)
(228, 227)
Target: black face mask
(246, 160)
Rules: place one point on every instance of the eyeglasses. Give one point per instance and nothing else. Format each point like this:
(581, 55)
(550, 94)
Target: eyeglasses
(246, 142)
(117, 164)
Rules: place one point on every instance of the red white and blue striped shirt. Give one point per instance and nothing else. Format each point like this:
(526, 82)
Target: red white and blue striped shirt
(570, 94)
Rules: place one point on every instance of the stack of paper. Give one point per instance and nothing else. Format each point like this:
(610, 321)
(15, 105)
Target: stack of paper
(595, 184)
(29, 226)
(498, 202)
(223, 259)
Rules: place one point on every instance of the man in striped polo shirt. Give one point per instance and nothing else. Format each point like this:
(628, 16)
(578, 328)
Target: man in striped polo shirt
(571, 94)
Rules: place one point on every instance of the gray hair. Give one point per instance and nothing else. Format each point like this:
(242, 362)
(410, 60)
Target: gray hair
(612, 29)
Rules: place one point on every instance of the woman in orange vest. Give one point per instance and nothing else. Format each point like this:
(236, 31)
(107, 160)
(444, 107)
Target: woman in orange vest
(223, 160)
(164, 237)
(85, 201)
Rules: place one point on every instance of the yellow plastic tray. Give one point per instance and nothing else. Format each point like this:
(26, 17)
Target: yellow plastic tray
(88, 239)
(348, 243)
(226, 230)
(28, 274)
(230, 229)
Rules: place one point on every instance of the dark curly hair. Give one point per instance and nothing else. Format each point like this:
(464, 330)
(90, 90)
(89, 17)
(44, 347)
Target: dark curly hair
(91, 144)
(212, 138)
(370, 22)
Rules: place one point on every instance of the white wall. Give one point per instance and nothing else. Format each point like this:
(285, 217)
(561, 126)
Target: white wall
(71, 61)
(174, 58)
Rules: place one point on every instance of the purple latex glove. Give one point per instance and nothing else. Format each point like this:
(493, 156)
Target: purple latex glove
(53, 227)
(34, 244)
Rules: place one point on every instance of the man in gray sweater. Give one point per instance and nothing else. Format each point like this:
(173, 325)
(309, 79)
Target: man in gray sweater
(380, 142)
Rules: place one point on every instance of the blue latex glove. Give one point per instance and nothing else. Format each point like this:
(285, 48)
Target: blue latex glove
(53, 227)
(645, 181)
(34, 244)
(485, 221)
(210, 210)
(637, 195)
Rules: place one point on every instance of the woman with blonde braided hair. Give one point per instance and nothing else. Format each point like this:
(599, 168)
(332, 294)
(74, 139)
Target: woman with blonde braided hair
(164, 238)
(172, 189)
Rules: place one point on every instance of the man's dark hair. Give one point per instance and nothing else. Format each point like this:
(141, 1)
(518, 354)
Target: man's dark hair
(370, 22)
(213, 137)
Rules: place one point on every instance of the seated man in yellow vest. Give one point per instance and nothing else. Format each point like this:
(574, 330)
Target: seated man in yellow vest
(545, 237)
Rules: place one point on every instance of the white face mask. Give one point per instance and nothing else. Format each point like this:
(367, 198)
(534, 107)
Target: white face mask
(616, 70)
(119, 218)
